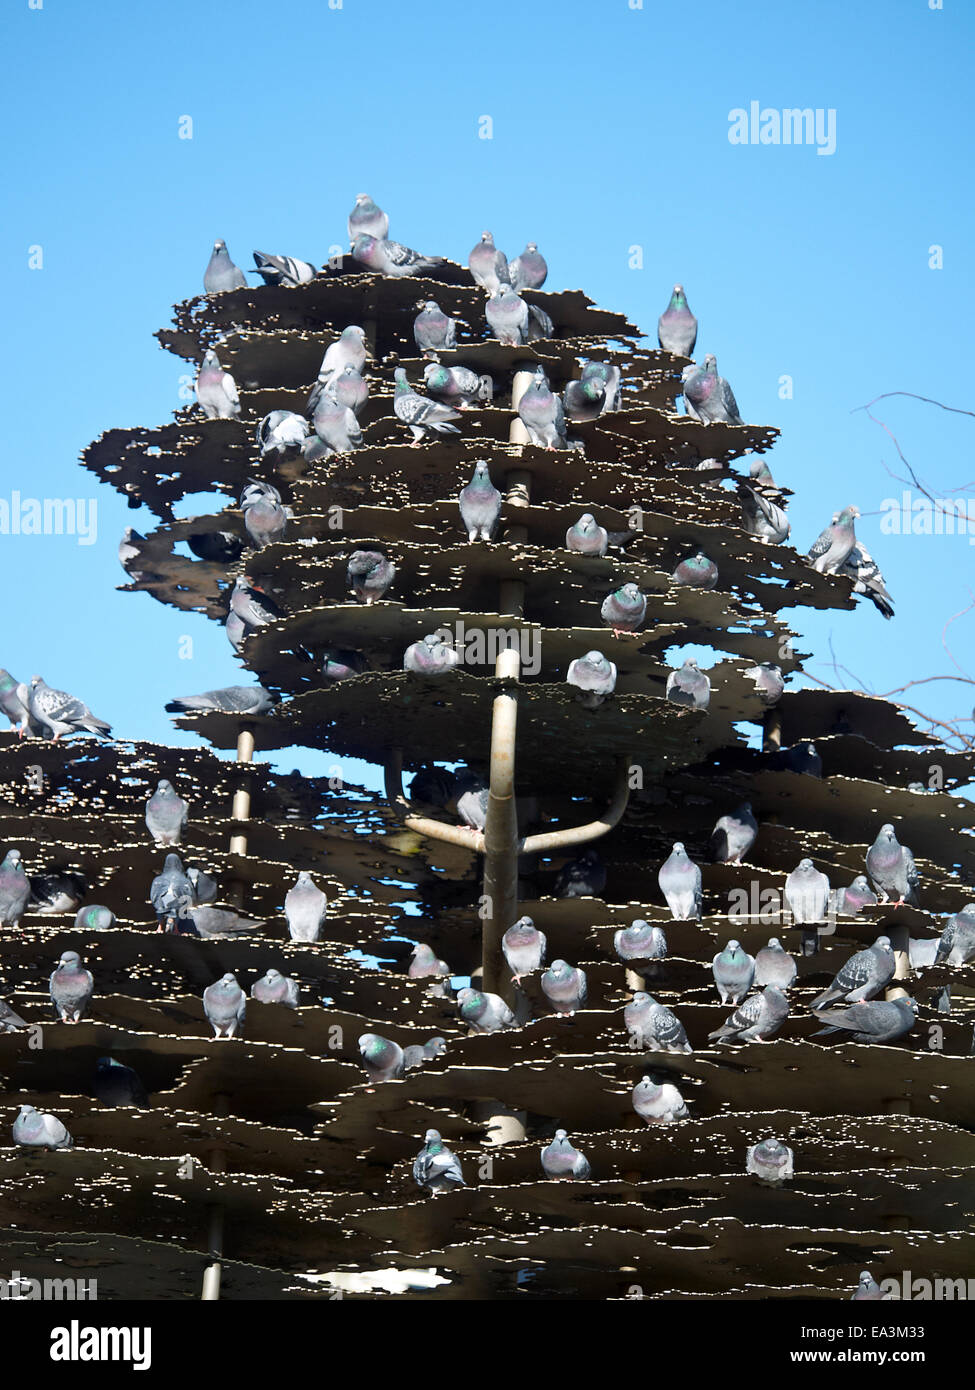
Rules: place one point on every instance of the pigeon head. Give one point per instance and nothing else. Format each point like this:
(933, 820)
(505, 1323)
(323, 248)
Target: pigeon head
(27, 1110)
(219, 244)
(679, 848)
(561, 1136)
(272, 977)
(586, 522)
(886, 831)
(70, 958)
(711, 363)
(559, 967)
(691, 663)
(229, 981)
(35, 681)
(361, 198)
(487, 238)
(163, 786)
(641, 997)
(595, 659)
(173, 864)
(806, 865)
(882, 943)
(732, 948)
(432, 1137)
(210, 359)
(774, 944)
(12, 857)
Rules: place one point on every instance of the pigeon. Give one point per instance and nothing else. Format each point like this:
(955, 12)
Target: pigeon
(507, 316)
(850, 901)
(733, 970)
(435, 1168)
(221, 273)
(864, 975)
(707, 396)
(216, 389)
(367, 219)
(541, 413)
(486, 1013)
(457, 386)
(768, 682)
(433, 656)
(94, 918)
(71, 987)
(863, 569)
(624, 610)
(424, 417)
(390, 257)
(9, 1020)
(63, 713)
(540, 324)
(171, 895)
(58, 891)
(832, 547)
(129, 554)
(867, 1289)
(529, 271)
(523, 947)
(34, 1130)
(594, 677)
(233, 699)
(275, 988)
(236, 630)
(350, 349)
(733, 836)
(697, 571)
(582, 877)
(369, 574)
(770, 1160)
(561, 1160)
(433, 784)
(433, 329)
(680, 882)
(117, 1084)
(756, 1019)
(761, 517)
(760, 472)
(166, 814)
(774, 966)
(802, 758)
(874, 1021)
(587, 537)
(304, 908)
(658, 1105)
(488, 265)
(677, 326)
(689, 686)
(652, 1026)
(340, 664)
(14, 889)
(425, 965)
(282, 270)
(225, 1005)
(892, 869)
(807, 893)
(219, 547)
(350, 389)
(265, 520)
(336, 429)
(480, 505)
(640, 941)
(957, 942)
(13, 700)
(382, 1059)
(415, 1056)
(219, 921)
(251, 604)
(583, 399)
(564, 987)
(609, 377)
(471, 795)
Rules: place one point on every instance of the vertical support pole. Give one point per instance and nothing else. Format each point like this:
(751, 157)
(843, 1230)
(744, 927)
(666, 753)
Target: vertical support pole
(772, 730)
(241, 809)
(900, 945)
(213, 1273)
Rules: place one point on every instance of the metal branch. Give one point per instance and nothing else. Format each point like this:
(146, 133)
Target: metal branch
(425, 825)
(580, 834)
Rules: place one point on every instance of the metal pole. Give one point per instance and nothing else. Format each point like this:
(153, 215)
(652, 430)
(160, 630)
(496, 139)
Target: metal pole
(772, 730)
(241, 809)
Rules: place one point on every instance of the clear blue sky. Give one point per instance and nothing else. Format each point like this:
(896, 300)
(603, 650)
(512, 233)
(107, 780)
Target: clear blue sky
(610, 129)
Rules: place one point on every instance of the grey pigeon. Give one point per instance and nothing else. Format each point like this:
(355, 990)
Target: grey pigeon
(216, 389)
(640, 941)
(564, 986)
(850, 901)
(34, 1130)
(707, 396)
(756, 1019)
(390, 257)
(582, 877)
(733, 970)
(759, 470)
(874, 1021)
(697, 571)
(94, 917)
(251, 604)
(867, 1290)
(220, 921)
(480, 505)
(594, 677)
(457, 386)
(275, 988)
(281, 430)
(609, 377)
(733, 835)
(471, 797)
(652, 1026)
(424, 417)
(369, 575)
(233, 699)
(677, 326)
(204, 888)
(658, 1105)
(382, 1059)
(350, 349)
(861, 977)
(10, 1021)
(336, 429)
(529, 271)
(768, 681)
(802, 758)
(350, 388)
(584, 399)
(540, 324)
(225, 1005)
(425, 964)
(587, 537)
(433, 329)
(304, 909)
(957, 943)
(507, 316)
(415, 1056)
(171, 894)
(831, 549)
(341, 664)
(689, 686)
(367, 219)
(561, 1160)
(488, 265)
(433, 656)
(435, 1168)
(863, 569)
(762, 517)
(71, 987)
(680, 882)
(485, 1012)
(129, 555)
(892, 869)
(523, 947)
(221, 273)
(236, 630)
(61, 890)
(774, 966)
(265, 519)
(218, 547)
(282, 270)
(541, 413)
(624, 610)
(62, 713)
(14, 889)
(12, 700)
(117, 1084)
(166, 814)
(807, 893)
(770, 1160)
(437, 785)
